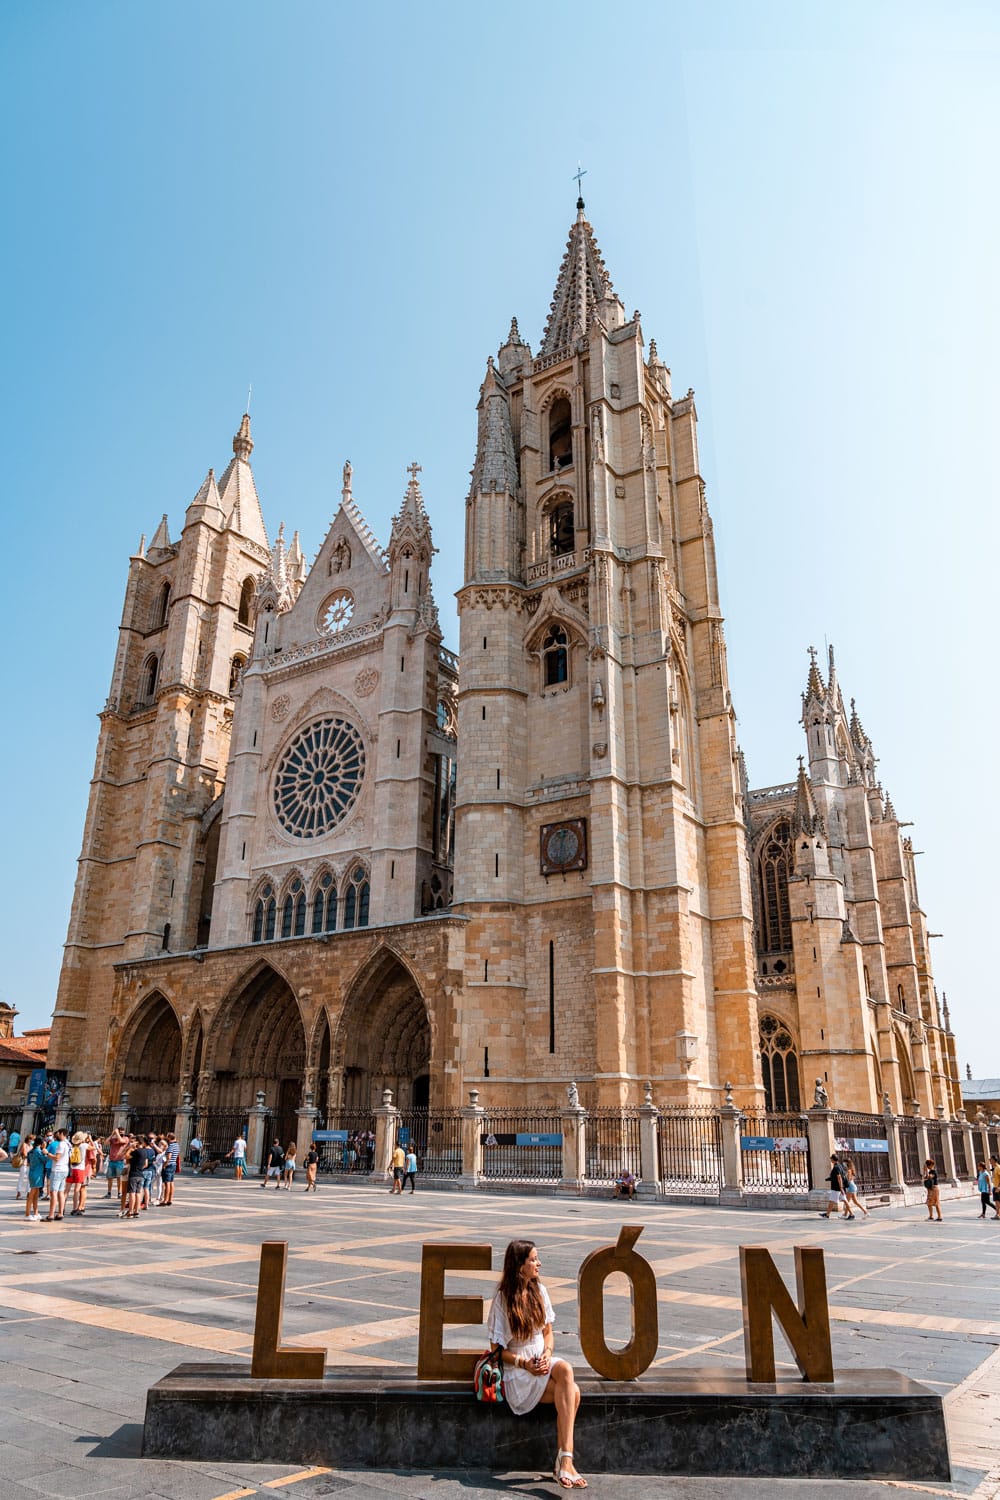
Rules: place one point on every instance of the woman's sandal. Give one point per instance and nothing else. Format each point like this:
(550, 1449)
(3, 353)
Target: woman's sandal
(564, 1477)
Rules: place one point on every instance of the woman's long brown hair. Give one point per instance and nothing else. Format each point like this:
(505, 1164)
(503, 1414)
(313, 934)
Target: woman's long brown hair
(521, 1299)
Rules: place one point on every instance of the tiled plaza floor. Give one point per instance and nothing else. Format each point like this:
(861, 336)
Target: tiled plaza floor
(93, 1313)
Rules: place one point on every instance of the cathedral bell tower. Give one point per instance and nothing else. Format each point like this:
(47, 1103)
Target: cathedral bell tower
(600, 843)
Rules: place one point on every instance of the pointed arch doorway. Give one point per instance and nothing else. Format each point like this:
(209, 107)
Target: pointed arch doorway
(152, 1058)
(258, 1044)
(383, 1040)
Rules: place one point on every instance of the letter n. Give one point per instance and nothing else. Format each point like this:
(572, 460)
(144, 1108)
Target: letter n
(806, 1327)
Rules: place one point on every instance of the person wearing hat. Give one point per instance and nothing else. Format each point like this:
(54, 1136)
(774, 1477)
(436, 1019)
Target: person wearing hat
(78, 1169)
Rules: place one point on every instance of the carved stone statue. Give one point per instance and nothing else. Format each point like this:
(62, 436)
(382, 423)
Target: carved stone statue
(821, 1099)
(887, 1102)
(573, 1096)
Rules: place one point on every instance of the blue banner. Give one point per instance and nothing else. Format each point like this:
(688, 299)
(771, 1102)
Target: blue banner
(862, 1143)
(524, 1139)
(329, 1135)
(756, 1142)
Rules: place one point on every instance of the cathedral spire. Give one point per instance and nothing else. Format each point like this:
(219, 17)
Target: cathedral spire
(581, 286)
(495, 471)
(238, 499)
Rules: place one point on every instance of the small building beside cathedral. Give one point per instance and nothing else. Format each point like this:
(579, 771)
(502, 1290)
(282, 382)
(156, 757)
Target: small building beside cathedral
(325, 856)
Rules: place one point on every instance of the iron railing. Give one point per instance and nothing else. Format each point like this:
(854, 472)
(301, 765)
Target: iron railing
(690, 1149)
(935, 1145)
(783, 1165)
(958, 1148)
(851, 1127)
(510, 1155)
(218, 1129)
(613, 1142)
(436, 1137)
(151, 1121)
(99, 1122)
(909, 1150)
(354, 1149)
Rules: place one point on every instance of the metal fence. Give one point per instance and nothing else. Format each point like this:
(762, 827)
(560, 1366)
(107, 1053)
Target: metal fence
(690, 1146)
(436, 1137)
(10, 1119)
(860, 1136)
(909, 1150)
(778, 1159)
(218, 1129)
(521, 1147)
(993, 1136)
(613, 1143)
(99, 1122)
(958, 1147)
(935, 1145)
(353, 1150)
(151, 1121)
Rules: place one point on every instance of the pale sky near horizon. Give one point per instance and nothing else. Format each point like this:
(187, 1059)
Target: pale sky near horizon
(345, 206)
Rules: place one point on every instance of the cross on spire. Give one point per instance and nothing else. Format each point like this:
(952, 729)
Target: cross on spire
(578, 175)
(413, 470)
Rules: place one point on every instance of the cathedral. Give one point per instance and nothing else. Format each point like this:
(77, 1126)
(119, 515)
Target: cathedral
(323, 856)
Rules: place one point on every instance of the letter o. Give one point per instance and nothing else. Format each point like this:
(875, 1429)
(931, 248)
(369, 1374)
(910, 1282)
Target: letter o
(639, 1352)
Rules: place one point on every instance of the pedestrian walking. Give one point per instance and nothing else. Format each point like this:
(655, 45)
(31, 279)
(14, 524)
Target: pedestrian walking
(19, 1159)
(194, 1151)
(57, 1152)
(238, 1151)
(837, 1180)
(984, 1182)
(275, 1165)
(995, 1180)
(932, 1190)
(398, 1168)
(410, 1170)
(851, 1189)
(312, 1162)
(288, 1173)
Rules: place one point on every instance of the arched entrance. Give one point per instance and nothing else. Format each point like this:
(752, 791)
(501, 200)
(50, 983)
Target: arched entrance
(383, 1040)
(152, 1057)
(258, 1043)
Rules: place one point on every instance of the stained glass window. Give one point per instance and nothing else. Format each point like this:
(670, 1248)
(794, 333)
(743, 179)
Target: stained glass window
(319, 778)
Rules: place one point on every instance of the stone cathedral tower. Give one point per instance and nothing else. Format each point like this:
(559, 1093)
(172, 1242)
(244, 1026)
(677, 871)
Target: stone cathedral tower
(600, 847)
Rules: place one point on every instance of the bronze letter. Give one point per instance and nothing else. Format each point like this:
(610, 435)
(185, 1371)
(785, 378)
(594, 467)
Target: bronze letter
(806, 1328)
(270, 1360)
(433, 1361)
(639, 1352)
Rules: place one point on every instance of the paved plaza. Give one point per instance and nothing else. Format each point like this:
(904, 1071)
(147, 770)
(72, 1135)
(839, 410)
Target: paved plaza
(92, 1314)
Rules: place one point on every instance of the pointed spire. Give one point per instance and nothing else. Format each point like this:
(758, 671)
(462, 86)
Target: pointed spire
(296, 560)
(815, 686)
(495, 471)
(206, 501)
(411, 519)
(161, 537)
(238, 499)
(805, 818)
(142, 546)
(243, 442)
(857, 729)
(582, 284)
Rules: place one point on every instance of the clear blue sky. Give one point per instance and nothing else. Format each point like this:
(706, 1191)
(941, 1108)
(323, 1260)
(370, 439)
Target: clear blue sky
(345, 205)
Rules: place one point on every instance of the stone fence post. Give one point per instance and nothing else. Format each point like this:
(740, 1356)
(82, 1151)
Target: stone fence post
(28, 1116)
(120, 1120)
(473, 1115)
(386, 1119)
(822, 1144)
(948, 1151)
(574, 1148)
(184, 1126)
(649, 1149)
(923, 1145)
(255, 1134)
(306, 1116)
(895, 1154)
(731, 1186)
(64, 1113)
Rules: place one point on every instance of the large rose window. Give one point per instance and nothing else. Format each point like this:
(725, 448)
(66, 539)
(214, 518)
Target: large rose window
(319, 778)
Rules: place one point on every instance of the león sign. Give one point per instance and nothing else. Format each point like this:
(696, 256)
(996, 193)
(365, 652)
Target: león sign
(805, 1322)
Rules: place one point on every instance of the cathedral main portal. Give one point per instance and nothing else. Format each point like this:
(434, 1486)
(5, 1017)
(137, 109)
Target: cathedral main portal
(384, 1038)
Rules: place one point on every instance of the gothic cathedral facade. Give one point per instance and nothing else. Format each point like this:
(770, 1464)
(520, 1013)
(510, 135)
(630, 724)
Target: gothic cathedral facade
(321, 858)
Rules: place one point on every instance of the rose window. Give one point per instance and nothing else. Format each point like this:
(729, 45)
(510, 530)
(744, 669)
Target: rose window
(319, 778)
(337, 611)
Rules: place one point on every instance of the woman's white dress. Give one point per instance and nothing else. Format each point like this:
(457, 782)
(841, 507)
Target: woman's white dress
(522, 1389)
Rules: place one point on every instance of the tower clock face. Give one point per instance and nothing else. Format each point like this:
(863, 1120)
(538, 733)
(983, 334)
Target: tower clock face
(564, 846)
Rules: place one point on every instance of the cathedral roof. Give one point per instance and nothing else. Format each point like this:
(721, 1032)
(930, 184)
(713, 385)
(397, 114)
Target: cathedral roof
(583, 282)
(238, 493)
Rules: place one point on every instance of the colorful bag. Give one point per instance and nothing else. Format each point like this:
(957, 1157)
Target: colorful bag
(487, 1378)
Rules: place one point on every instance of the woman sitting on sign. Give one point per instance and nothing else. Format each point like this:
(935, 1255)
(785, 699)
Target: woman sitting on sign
(520, 1325)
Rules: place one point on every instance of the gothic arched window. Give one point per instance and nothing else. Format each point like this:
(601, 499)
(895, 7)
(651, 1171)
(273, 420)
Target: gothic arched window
(264, 915)
(356, 899)
(246, 601)
(162, 605)
(555, 657)
(779, 1066)
(560, 434)
(562, 533)
(293, 911)
(324, 913)
(773, 867)
(150, 677)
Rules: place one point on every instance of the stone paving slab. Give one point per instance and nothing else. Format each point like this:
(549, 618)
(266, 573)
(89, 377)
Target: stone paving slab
(104, 1307)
